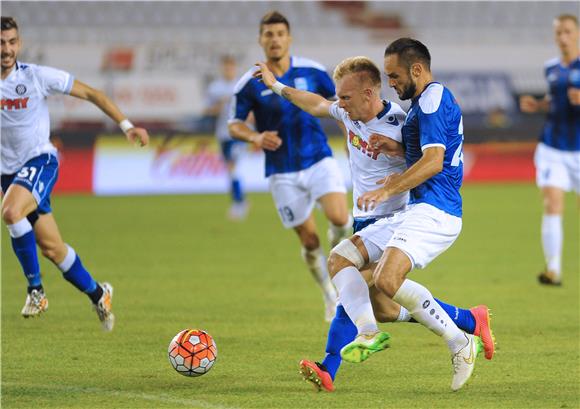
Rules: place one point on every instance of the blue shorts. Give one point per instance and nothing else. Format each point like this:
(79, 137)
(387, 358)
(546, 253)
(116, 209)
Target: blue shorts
(231, 149)
(360, 224)
(38, 175)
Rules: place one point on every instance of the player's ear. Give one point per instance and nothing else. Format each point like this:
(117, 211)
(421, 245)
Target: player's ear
(416, 70)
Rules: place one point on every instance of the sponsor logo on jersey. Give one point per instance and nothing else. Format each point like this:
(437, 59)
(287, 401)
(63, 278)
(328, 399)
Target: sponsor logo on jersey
(265, 93)
(392, 119)
(16, 103)
(301, 83)
(575, 77)
(362, 145)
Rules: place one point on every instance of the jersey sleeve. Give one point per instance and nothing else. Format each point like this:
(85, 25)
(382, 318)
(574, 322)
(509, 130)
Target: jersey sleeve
(53, 81)
(241, 104)
(325, 84)
(432, 129)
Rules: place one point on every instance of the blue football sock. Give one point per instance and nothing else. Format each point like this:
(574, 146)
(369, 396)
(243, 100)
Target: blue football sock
(25, 249)
(342, 331)
(75, 273)
(236, 191)
(24, 246)
(464, 319)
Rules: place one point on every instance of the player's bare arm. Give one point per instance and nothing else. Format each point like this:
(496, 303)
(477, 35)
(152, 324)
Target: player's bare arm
(530, 104)
(105, 104)
(310, 102)
(386, 145)
(430, 164)
(268, 140)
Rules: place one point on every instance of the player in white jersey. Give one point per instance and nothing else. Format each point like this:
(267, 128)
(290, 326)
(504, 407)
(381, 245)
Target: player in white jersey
(219, 95)
(30, 169)
(374, 141)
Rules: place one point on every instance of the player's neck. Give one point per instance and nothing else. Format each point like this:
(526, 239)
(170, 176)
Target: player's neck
(279, 67)
(6, 71)
(568, 57)
(422, 84)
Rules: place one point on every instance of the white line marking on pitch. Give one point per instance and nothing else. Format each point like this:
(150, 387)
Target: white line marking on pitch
(145, 396)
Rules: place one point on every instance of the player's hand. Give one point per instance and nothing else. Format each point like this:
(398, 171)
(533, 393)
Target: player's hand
(529, 104)
(574, 96)
(385, 145)
(138, 136)
(264, 74)
(370, 200)
(268, 140)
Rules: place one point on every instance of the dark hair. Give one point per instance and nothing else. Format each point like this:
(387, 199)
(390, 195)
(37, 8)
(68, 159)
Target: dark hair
(8, 23)
(410, 51)
(274, 17)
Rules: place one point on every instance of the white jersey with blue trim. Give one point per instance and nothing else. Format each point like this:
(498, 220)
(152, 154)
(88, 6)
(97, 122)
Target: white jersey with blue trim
(366, 166)
(218, 91)
(434, 119)
(25, 117)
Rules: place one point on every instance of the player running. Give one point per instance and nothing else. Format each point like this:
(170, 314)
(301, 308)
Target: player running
(219, 95)
(30, 169)
(557, 156)
(375, 152)
(299, 163)
(433, 137)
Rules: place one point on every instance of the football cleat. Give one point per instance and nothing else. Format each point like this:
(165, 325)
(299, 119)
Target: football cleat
(104, 306)
(364, 345)
(483, 329)
(549, 278)
(316, 374)
(463, 362)
(36, 303)
(238, 211)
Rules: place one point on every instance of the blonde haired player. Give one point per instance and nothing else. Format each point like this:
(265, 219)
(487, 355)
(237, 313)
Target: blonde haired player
(375, 152)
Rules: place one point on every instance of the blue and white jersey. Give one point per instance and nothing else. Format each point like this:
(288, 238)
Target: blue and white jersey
(25, 118)
(221, 91)
(303, 141)
(434, 119)
(562, 128)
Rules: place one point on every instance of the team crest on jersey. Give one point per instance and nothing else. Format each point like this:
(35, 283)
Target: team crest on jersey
(552, 77)
(301, 83)
(575, 76)
(21, 89)
(392, 119)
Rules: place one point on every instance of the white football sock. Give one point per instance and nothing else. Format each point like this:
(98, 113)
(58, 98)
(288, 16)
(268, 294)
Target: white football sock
(404, 315)
(316, 262)
(423, 307)
(336, 234)
(353, 294)
(552, 242)
(19, 229)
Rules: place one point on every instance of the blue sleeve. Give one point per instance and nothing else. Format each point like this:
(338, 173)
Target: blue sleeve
(433, 128)
(242, 104)
(325, 85)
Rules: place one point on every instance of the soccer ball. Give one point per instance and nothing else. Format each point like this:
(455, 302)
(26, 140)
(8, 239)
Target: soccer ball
(192, 352)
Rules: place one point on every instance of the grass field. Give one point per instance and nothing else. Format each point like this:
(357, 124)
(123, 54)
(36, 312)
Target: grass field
(176, 263)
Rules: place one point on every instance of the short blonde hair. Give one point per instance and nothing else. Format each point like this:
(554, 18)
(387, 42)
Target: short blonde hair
(570, 17)
(359, 65)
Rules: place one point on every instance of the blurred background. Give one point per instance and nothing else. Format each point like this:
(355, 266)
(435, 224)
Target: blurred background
(156, 59)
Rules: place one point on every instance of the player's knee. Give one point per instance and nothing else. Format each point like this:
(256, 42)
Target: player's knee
(388, 314)
(344, 254)
(11, 214)
(310, 240)
(339, 218)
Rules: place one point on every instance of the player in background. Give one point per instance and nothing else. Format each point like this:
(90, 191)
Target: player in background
(30, 169)
(219, 95)
(375, 152)
(299, 163)
(557, 156)
(433, 137)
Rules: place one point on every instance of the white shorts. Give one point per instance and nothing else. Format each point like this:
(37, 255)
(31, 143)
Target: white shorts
(557, 168)
(296, 193)
(421, 231)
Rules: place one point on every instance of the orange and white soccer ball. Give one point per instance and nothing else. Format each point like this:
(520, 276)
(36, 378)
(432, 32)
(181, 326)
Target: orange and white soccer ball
(192, 352)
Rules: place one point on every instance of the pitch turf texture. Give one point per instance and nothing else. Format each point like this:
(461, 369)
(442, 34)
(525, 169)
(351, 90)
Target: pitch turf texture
(176, 263)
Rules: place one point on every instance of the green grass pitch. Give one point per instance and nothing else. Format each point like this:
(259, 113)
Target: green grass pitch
(176, 263)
